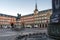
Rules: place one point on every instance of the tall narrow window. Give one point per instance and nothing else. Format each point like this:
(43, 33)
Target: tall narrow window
(59, 3)
(56, 4)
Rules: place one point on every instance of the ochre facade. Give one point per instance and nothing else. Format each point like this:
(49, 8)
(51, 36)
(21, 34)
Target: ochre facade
(39, 19)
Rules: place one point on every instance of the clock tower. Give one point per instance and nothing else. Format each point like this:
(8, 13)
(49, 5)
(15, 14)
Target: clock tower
(36, 10)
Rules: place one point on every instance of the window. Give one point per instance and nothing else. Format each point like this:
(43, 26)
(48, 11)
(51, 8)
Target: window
(56, 1)
(45, 17)
(56, 4)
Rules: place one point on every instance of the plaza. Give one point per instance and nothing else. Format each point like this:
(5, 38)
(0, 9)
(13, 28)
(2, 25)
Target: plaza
(38, 25)
(8, 34)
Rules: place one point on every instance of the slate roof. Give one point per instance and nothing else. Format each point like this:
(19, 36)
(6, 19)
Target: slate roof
(38, 12)
(44, 11)
(24, 15)
(7, 15)
(28, 15)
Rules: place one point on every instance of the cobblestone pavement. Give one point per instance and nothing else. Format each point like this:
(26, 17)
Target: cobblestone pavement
(33, 30)
(8, 34)
(35, 34)
(40, 36)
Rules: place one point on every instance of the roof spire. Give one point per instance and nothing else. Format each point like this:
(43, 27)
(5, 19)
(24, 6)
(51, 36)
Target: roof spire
(36, 6)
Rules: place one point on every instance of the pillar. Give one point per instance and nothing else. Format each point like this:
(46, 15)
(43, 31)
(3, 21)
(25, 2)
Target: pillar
(47, 25)
(41, 25)
(44, 25)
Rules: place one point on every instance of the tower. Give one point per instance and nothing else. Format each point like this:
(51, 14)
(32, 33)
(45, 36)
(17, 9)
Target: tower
(36, 10)
(35, 15)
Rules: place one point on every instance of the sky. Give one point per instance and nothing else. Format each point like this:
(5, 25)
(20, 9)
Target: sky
(23, 7)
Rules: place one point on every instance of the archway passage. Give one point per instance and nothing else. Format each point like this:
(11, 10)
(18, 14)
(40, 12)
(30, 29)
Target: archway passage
(12, 25)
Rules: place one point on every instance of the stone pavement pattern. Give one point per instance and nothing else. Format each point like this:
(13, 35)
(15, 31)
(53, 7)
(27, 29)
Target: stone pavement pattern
(8, 34)
(40, 36)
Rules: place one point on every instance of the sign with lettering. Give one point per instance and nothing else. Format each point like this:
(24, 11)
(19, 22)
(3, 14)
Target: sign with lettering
(55, 19)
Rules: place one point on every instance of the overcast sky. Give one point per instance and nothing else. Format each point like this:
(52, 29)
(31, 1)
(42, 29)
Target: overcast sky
(23, 7)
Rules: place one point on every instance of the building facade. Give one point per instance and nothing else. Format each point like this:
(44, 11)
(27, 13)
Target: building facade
(39, 19)
(7, 20)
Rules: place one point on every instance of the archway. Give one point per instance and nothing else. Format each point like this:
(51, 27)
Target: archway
(40, 25)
